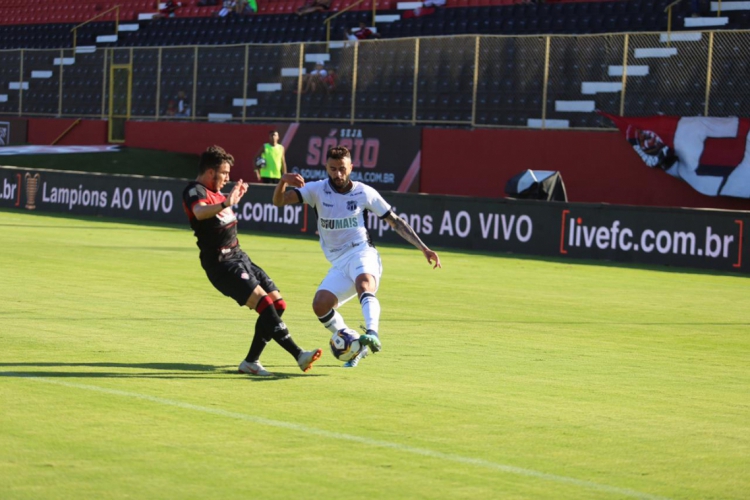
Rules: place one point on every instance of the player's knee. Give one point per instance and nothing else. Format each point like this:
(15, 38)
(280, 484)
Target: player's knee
(319, 308)
(323, 303)
(280, 306)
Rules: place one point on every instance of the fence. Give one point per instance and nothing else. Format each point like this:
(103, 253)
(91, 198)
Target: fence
(480, 81)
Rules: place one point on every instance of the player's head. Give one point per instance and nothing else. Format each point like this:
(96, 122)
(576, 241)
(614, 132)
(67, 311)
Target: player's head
(339, 166)
(214, 167)
(273, 136)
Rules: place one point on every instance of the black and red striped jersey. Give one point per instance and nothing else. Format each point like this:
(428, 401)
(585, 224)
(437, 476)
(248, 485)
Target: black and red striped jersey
(217, 235)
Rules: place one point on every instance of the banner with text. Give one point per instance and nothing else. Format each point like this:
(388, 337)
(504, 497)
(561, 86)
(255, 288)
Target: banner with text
(386, 158)
(710, 239)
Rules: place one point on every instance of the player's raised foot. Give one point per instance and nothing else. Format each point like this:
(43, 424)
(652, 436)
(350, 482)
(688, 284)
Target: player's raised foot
(307, 358)
(254, 368)
(362, 354)
(371, 340)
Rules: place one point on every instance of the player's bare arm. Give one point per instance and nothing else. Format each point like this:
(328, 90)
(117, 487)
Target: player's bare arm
(283, 197)
(404, 230)
(204, 211)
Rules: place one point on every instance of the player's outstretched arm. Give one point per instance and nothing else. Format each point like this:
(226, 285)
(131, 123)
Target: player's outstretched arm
(404, 230)
(283, 197)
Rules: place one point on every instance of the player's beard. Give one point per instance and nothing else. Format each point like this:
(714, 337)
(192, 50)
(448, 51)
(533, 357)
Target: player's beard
(341, 184)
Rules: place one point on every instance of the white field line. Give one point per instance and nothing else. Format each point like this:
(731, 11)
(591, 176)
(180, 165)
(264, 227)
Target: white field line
(478, 462)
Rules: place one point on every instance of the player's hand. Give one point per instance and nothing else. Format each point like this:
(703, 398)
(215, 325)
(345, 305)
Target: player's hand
(432, 256)
(239, 189)
(294, 180)
(243, 187)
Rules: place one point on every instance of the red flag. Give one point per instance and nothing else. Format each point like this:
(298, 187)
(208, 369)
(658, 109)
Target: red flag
(711, 154)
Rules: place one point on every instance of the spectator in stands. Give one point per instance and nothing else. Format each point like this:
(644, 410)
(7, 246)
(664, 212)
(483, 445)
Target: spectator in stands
(169, 9)
(228, 8)
(349, 37)
(183, 107)
(246, 7)
(365, 33)
(314, 6)
(316, 79)
(171, 108)
(429, 7)
(329, 82)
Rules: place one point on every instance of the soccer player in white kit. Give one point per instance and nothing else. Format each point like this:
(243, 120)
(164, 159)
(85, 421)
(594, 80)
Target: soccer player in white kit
(340, 204)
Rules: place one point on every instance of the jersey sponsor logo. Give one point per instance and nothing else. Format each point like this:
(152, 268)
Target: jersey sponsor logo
(330, 205)
(333, 224)
(245, 276)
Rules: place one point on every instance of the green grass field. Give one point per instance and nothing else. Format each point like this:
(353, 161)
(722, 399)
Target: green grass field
(500, 377)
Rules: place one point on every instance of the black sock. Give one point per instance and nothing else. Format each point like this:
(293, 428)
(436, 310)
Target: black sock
(273, 328)
(258, 344)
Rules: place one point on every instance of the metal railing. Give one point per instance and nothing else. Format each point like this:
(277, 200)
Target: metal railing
(478, 81)
(668, 10)
(74, 30)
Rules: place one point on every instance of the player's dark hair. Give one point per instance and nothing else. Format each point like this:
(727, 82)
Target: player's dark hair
(338, 153)
(213, 157)
(271, 132)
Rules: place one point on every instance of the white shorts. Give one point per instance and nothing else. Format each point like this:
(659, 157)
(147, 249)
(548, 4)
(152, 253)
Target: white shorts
(340, 278)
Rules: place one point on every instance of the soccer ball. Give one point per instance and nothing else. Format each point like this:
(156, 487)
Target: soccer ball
(260, 162)
(345, 344)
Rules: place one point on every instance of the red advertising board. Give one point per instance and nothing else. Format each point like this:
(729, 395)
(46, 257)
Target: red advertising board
(386, 158)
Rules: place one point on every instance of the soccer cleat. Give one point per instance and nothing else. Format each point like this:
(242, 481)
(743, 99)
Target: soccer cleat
(254, 368)
(307, 358)
(362, 354)
(371, 340)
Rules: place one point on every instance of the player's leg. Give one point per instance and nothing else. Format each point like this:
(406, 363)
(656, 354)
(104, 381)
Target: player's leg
(366, 288)
(368, 266)
(266, 300)
(307, 358)
(335, 289)
(233, 280)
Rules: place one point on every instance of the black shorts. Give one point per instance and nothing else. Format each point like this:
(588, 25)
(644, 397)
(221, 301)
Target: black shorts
(237, 277)
(268, 180)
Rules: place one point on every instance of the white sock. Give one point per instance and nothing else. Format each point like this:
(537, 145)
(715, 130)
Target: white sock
(333, 321)
(370, 310)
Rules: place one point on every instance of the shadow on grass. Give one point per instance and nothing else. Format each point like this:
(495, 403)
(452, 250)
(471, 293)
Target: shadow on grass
(165, 371)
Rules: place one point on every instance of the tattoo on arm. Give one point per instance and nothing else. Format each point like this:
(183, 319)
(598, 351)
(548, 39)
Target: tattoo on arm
(404, 230)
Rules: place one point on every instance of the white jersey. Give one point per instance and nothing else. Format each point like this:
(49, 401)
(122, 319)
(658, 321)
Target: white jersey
(341, 216)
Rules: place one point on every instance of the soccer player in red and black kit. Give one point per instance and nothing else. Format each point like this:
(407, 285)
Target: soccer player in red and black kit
(229, 268)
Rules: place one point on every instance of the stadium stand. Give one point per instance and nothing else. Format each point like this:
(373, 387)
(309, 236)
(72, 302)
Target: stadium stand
(48, 26)
(200, 55)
